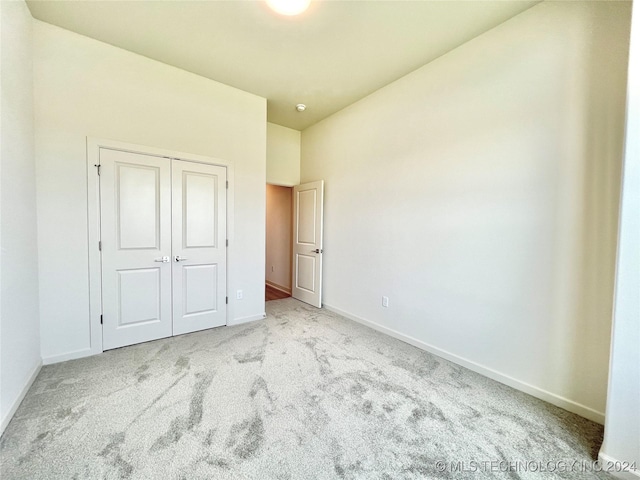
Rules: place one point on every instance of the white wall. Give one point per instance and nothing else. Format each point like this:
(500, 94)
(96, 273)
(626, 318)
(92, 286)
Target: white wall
(279, 231)
(283, 155)
(480, 193)
(87, 88)
(19, 322)
(622, 428)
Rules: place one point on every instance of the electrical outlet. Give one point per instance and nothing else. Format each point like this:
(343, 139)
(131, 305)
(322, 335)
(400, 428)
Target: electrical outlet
(239, 295)
(385, 301)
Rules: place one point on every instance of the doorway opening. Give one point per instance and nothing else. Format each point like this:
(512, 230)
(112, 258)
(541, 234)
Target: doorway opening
(279, 241)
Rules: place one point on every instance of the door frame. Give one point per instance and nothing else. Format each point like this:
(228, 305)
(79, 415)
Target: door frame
(93, 221)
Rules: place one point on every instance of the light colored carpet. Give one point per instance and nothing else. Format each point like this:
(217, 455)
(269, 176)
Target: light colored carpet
(304, 394)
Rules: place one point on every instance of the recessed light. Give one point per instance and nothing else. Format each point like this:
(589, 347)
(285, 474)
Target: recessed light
(301, 107)
(288, 7)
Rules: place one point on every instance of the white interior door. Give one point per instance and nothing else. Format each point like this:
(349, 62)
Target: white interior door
(308, 202)
(199, 246)
(136, 247)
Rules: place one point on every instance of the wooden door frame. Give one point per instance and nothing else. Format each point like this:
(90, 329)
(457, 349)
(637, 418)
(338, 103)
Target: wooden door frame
(93, 221)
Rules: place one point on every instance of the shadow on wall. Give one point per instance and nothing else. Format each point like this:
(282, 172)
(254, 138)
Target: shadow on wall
(588, 202)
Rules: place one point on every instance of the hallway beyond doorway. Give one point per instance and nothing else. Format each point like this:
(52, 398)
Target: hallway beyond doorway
(271, 293)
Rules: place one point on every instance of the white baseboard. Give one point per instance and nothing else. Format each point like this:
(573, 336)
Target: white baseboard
(280, 288)
(18, 400)
(609, 465)
(241, 320)
(85, 352)
(552, 398)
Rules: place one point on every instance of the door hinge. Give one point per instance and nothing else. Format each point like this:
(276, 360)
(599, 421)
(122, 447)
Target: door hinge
(100, 319)
(226, 300)
(227, 242)
(97, 165)
(227, 184)
(100, 245)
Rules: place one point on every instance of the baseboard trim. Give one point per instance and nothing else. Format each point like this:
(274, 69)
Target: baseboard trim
(607, 461)
(545, 395)
(280, 288)
(85, 352)
(14, 408)
(250, 318)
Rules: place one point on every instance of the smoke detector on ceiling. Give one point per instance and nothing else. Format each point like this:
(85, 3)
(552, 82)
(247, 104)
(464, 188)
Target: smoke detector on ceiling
(301, 107)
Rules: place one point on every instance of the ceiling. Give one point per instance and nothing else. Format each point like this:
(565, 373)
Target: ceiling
(332, 55)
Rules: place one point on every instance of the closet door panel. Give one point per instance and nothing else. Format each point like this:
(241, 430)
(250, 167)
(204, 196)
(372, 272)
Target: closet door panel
(136, 247)
(199, 246)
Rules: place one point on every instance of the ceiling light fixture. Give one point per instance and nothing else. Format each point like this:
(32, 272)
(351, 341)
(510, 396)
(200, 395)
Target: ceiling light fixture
(288, 7)
(301, 107)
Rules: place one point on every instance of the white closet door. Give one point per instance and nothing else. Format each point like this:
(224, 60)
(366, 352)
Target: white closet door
(199, 246)
(136, 247)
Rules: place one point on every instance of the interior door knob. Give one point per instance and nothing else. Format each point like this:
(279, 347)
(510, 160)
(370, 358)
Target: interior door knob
(178, 258)
(317, 250)
(164, 259)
